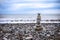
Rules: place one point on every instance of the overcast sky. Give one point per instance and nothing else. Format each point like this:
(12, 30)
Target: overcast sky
(29, 6)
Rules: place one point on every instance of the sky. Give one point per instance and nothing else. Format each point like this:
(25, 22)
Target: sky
(29, 6)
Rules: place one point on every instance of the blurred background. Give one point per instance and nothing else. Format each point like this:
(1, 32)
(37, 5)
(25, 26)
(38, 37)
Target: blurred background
(28, 9)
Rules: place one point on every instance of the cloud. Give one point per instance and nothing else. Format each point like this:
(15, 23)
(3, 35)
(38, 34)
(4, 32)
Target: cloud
(44, 11)
(39, 0)
(17, 6)
(11, 6)
(2, 1)
(51, 11)
(28, 1)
